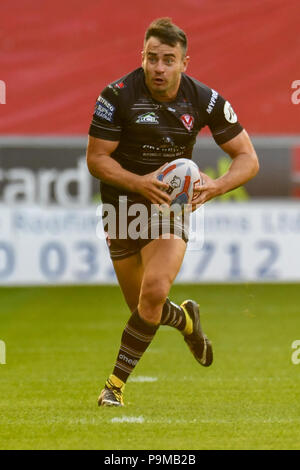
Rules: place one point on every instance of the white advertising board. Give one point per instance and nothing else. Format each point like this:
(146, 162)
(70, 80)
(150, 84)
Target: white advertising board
(256, 241)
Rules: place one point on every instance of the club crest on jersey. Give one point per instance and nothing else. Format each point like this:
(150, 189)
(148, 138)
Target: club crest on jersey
(188, 121)
(148, 118)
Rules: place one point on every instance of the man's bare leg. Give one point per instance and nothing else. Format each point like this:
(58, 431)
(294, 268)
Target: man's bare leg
(152, 279)
(129, 272)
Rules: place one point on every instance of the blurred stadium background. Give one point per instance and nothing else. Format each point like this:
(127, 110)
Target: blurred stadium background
(54, 61)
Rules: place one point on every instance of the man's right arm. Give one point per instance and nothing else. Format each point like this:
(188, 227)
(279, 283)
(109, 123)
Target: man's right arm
(105, 168)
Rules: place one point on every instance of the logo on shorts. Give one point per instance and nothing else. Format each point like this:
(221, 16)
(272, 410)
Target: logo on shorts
(148, 118)
(188, 121)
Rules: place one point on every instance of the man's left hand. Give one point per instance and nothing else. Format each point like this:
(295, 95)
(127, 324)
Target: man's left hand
(209, 189)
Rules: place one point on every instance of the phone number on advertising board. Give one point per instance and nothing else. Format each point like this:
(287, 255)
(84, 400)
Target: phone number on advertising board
(84, 260)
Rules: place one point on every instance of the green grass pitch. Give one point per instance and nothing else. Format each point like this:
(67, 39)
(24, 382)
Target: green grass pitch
(61, 344)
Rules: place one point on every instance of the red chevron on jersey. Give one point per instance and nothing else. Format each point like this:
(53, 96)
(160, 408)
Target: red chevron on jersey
(188, 121)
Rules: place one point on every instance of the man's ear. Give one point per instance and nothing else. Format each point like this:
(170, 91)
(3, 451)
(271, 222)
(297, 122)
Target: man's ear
(143, 57)
(185, 62)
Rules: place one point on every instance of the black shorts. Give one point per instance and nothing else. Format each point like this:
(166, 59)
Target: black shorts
(130, 226)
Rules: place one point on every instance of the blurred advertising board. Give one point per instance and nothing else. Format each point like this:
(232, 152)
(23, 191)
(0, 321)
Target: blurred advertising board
(230, 242)
(47, 171)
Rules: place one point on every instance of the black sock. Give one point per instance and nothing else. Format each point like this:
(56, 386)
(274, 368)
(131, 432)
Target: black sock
(136, 338)
(173, 315)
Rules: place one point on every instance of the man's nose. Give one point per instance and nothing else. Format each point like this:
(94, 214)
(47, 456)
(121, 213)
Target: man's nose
(160, 66)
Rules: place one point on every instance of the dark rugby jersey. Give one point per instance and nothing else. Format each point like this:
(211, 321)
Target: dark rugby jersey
(152, 133)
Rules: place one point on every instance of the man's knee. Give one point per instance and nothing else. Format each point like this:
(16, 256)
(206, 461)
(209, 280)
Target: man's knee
(155, 291)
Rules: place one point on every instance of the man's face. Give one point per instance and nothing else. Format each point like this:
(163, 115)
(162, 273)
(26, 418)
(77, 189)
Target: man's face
(163, 66)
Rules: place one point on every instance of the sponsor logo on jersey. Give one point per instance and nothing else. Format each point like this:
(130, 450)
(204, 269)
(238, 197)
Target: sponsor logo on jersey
(120, 85)
(105, 103)
(104, 109)
(188, 121)
(229, 114)
(212, 102)
(117, 87)
(166, 147)
(148, 118)
(166, 142)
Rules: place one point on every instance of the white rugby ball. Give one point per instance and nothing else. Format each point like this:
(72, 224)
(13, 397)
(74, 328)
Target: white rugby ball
(182, 176)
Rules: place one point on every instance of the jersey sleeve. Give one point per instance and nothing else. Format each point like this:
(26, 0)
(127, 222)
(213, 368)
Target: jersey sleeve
(107, 121)
(221, 119)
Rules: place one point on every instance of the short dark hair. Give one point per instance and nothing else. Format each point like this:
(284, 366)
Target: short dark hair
(167, 32)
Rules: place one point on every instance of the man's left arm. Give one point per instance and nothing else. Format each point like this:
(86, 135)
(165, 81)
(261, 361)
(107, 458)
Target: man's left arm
(244, 166)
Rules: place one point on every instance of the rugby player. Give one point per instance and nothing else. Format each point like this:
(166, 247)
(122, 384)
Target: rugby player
(141, 122)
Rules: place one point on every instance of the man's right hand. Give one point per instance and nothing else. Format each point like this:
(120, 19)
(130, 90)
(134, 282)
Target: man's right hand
(153, 189)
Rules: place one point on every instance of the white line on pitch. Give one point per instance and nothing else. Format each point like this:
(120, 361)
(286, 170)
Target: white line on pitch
(142, 378)
(128, 419)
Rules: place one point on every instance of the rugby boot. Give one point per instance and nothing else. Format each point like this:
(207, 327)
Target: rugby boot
(197, 341)
(111, 395)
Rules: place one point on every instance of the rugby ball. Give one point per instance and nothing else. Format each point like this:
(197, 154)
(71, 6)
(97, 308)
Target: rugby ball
(182, 176)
